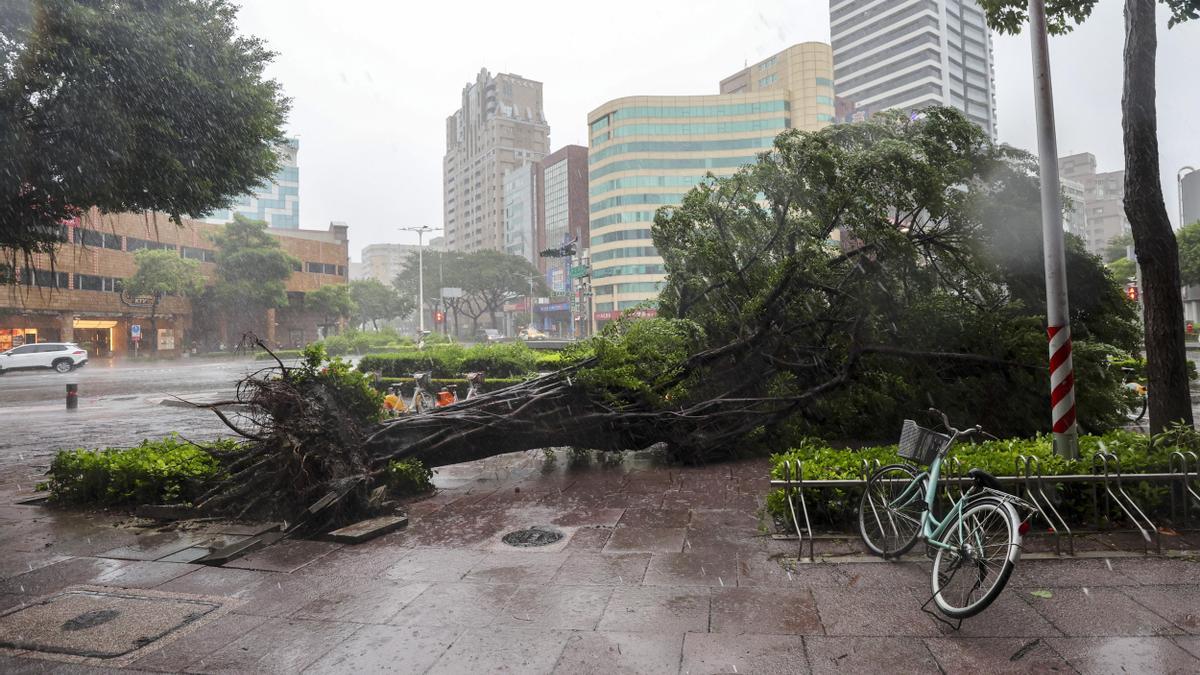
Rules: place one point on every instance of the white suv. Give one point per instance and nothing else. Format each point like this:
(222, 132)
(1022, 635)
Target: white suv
(61, 356)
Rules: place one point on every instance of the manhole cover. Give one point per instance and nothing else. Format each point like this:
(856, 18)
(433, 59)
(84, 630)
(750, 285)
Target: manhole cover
(96, 623)
(533, 536)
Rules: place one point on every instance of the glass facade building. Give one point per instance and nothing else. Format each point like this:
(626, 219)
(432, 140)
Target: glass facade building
(648, 151)
(278, 202)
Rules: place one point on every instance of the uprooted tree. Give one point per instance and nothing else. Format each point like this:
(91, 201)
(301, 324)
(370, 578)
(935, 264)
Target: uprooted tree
(850, 277)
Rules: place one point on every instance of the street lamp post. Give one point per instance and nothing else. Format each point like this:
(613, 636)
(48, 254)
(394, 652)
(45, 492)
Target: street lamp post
(1179, 176)
(420, 230)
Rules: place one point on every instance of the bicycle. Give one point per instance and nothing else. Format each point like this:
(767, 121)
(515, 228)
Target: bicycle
(981, 532)
(474, 385)
(1137, 390)
(423, 398)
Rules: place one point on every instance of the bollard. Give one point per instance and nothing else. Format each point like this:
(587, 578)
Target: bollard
(72, 396)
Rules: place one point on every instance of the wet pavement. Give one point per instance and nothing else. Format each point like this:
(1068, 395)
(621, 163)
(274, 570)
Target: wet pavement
(661, 570)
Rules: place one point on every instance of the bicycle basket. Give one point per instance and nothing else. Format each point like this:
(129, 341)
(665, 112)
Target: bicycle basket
(919, 444)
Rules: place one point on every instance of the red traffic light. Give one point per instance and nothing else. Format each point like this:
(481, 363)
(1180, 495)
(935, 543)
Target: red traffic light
(1131, 292)
(439, 317)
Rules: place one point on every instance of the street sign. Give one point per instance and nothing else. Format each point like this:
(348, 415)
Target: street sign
(135, 332)
(579, 271)
(451, 292)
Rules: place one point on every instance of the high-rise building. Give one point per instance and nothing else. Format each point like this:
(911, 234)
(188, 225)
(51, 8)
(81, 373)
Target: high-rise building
(1074, 208)
(1103, 199)
(648, 151)
(277, 202)
(911, 54)
(1189, 197)
(521, 188)
(499, 126)
(384, 261)
(563, 217)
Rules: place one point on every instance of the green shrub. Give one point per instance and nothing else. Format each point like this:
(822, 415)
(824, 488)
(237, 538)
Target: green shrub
(499, 360)
(283, 354)
(166, 471)
(409, 477)
(406, 384)
(353, 389)
(451, 360)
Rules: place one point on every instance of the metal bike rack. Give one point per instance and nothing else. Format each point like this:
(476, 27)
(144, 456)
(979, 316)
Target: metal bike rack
(1035, 490)
(955, 474)
(1187, 494)
(1110, 465)
(796, 488)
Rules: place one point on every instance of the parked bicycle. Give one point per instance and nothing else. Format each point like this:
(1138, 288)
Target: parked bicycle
(1138, 390)
(974, 546)
(474, 385)
(423, 398)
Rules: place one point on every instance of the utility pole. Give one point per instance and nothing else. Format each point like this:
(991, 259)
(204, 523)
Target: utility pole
(420, 230)
(1062, 371)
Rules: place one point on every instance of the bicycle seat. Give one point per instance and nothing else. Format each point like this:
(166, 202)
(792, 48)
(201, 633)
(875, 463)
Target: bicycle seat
(984, 479)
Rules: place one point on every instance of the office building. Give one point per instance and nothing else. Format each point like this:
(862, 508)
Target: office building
(383, 262)
(499, 126)
(563, 217)
(1103, 199)
(278, 202)
(521, 194)
(912, 54)
(77, 296)
(648, 151)
(1074, 210)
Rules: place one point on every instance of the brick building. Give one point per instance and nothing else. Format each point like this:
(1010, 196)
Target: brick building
(76, 295)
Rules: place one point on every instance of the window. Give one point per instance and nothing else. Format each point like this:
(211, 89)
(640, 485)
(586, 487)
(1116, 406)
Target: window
(825, 100)
(97, 239)
(26, 349)
(44, 278)
(823, 117)
(134, 244)
(824, 82)
(768, 80)
(322, 268)
(766, 65)
(89, 282)
(201, 254)
(341, 271)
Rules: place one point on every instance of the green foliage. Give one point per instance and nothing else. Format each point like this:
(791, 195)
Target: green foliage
(351, 388)
(162, 273)
(353, 341)
(252, 268)
(409, 477)
(331, 301)
(375, 302)
(1189, 254)
(642, 360)
(130, 107)
(503, 360)
(1123, 270)
(166, 471)
(450, 360)
(1008, 16)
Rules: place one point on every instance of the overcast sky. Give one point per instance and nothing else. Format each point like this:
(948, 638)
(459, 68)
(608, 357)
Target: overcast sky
(372, 83)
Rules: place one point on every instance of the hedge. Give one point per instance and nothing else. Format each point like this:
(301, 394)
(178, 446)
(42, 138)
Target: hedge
(451, 360)
(839, 507)
(406, 384)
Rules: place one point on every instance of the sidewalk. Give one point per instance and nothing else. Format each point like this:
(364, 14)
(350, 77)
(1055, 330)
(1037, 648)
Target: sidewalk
(661, 570)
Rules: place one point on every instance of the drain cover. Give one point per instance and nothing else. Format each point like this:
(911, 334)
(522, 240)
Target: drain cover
(534, 536)
(95, 623)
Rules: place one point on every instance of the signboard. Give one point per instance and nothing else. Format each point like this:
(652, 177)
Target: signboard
(135, 332)
(556, 279)
(516, 306)
(579, 271)
(636, 314)
(451, 292)
(166, 338)
(556, 307)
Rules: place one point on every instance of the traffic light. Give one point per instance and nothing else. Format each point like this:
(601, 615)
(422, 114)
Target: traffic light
(1131, 292)
(439, 317)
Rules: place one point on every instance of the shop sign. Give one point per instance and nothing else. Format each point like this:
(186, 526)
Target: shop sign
(135, 333)
(556, 307)
(636, 314)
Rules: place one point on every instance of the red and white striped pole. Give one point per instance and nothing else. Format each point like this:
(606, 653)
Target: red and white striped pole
(1062, 373)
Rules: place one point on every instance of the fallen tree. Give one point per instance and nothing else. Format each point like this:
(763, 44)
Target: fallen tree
(846, 279)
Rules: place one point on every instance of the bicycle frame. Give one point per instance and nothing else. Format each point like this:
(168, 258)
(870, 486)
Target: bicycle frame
(932, 528)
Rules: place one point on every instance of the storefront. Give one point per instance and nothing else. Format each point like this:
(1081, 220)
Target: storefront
(603, 318)
(15, 337)
(554, 318)
(95, 335)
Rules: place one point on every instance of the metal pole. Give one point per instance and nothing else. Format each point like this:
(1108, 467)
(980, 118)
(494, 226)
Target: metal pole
(529, 301)
(420, 230)
(1062, 373)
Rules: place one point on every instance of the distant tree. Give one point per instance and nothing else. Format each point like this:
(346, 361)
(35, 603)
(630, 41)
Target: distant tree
(443, 269)
(1117, 248)
(376, 301)
(332, 302)
(159, 274)
(491, 277)
(1123, 270)
(1189, 254)
(252, 272)
(1154, 241)
(128, 106)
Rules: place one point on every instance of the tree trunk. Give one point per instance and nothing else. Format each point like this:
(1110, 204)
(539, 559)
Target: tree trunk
(1154, 242)
(154, 326)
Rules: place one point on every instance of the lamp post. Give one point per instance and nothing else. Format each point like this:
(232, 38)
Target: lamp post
(420, 230)
(1179, 176)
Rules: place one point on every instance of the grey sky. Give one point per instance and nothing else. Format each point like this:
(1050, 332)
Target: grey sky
(373, 82)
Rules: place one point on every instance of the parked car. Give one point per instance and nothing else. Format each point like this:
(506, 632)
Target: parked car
(61, 356)
(489, 335)
(531, 333)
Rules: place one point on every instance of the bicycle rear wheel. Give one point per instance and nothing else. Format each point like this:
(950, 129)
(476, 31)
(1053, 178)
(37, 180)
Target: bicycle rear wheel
(890, 530)
(986, 542)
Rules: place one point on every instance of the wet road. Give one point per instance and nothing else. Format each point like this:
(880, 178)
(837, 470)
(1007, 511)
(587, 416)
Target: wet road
(119, 404)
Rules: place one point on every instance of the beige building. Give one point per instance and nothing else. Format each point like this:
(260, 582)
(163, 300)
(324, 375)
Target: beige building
(383, 262)
(648, 151)
(499, 126)
(1103, 200)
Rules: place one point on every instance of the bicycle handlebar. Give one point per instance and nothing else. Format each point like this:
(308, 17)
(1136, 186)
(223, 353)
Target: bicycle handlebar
(977, 429)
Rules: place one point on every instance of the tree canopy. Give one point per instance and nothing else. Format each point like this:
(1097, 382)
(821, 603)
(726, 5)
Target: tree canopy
(331, 301)
(129, 106)
(487, 279)
(161, 273)
(375, 301)
(252, 271)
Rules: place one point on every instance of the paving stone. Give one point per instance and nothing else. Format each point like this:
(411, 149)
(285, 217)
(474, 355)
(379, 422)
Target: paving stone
(142, 574)
(280, 595)
(194, 645)
(502, 649)
(609, 653)
(657, 609)
(764, 569)
(14, 563)
(365, 530)
(153, 546)
(517, 567)
(285, 556)
(871, 611)
(211, 543)
(363, 601)
(1008, 616)
(1125, 655)
(355, 561)
(8, 600)
(455, 604)
(882, 575)
(647, 539)
(1099, 612)
(590, 538)
(603, 569)
(218, 581)
(1178, 604)
(996, 655)
(775, 611)
(277, 646)
(705, 653)
(586, 517)
(1158, 571)
(1089, 572)
(837, 655)
(565, 607)
(643, 517)
(434, 564)
(691, 569)
(52, 578)
(388, 649)
(1190, 644)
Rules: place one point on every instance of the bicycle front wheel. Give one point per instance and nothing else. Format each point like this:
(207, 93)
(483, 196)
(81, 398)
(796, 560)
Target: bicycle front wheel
(985, 543)
(888, 526)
